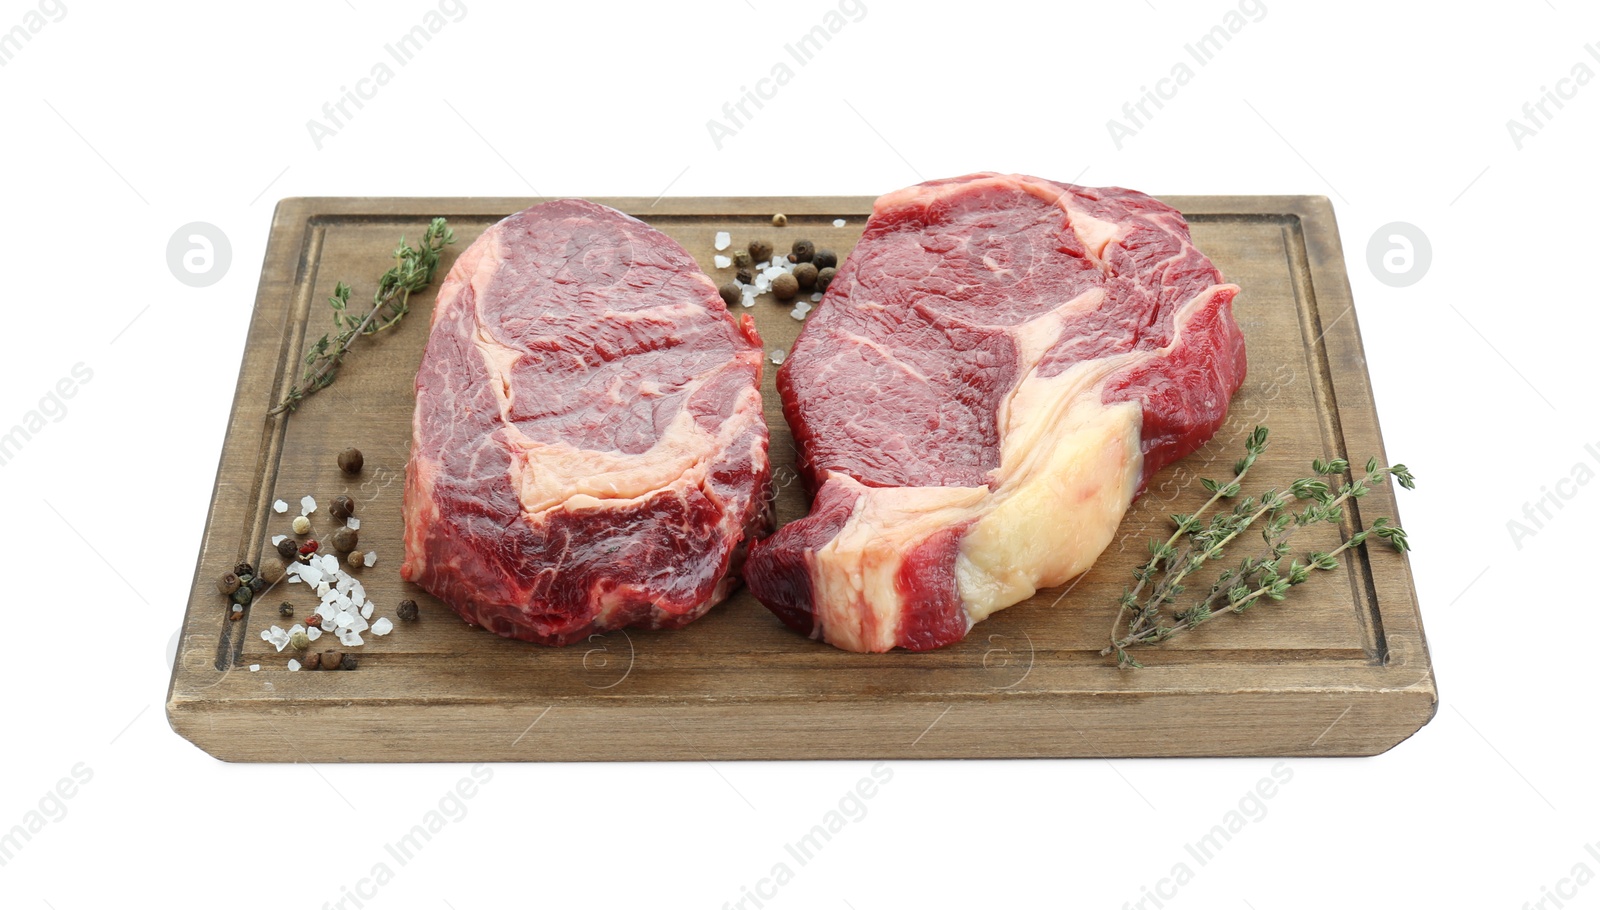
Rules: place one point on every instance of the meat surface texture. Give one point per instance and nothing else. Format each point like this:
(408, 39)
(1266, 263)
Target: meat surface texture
(997, 370)
(588, 447)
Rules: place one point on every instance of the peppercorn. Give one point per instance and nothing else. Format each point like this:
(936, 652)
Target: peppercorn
(761, 251)
(731, 295)
(350, 461)
(331, 660)
(407, 611)
(825, 259)
(301, 525)
(741, 259)
(244, 568)
(286, 610)
(242, 596)
(238, 614)
(299, 641)
(825, 277)
(343, 507)
(228, 583)
(356, 559)
(313, 661)
(257, 584)
(348, 662)
(802, 251)
(309, 547)
(743, 276)
(780, 220)
(288, 549)
(785, 286)
(805, 274)
(344, 540)
(314, 621)
(272, 572)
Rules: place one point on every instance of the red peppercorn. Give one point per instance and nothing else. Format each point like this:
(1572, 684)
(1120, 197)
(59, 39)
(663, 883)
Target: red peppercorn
(314, 621)
(309, 547)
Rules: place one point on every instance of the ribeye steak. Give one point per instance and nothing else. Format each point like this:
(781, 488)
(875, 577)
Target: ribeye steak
(1000, 365)
(588, 448)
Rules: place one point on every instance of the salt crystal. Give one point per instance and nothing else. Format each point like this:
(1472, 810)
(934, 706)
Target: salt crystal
(370, 559)
(343, 618)
(349, 638)
(357, 625)
(254, 667)
(816, 296)
(772, 271)
(280, 506)
(798, 314)
(723, 240)
(777, 356)
(721, 262)
(238, 609)
(330, 564)
(366, 611)
(383, 626)
(748, 301)
(279, 538)
(307, 505)
(779, 261)
(323, 589)
(294, 579)
(838, 222)
(296, 628)
(353, 523)
(293, 665)
(313, 633)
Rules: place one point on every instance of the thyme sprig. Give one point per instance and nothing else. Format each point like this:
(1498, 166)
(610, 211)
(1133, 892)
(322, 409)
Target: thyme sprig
(1141, 617)
(412, 271)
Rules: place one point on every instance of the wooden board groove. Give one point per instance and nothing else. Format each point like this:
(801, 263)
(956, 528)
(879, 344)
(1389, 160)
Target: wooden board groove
(1342, 669)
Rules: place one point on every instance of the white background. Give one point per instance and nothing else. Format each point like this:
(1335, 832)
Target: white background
(124, 121)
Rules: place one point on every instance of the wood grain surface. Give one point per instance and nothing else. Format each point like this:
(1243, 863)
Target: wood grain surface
(1341, 668)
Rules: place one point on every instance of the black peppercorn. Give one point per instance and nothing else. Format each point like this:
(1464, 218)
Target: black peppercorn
(343, 507)
(731, 295)
(761, 251)
(407, 611)
(743, 276)
(348, 662)
(825, 259)
(350, 461)
(802, 251)
(243, 569)
(288, 549)
(825, 277)
(806, 274)
(344, 540)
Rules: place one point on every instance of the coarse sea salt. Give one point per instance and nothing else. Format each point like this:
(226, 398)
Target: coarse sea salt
(280, 506)
(353, 523)
(723, 240)
(816, 296)
(254, 668)
(293, 665)
(279, 538)
(777, 357)
(313, 633)
(350, 638)
(383, 626)
(838, 222)
(371, 559)
(721, 262)
(307, 505)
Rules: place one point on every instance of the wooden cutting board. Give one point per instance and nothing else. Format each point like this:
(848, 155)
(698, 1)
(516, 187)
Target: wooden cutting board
(1341, 668)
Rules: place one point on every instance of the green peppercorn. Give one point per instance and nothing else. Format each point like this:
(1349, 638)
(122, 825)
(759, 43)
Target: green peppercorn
(826, 259)
(344, 540)
(785, 286)
(802, 251)
(731, 295)
(761, 251)
(825, 277)
(741, 259)
(286, 610)
(343, 507)
(806, 275)
(744, 276)
(288, 549)
(299, 641)
(350, 461)
(228, 583)
(242, 596)
(780, 220)
(407, 611)
(257, 584)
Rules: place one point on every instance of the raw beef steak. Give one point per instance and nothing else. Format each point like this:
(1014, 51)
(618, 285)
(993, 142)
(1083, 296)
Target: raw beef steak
(588, 449)
(995, 373)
